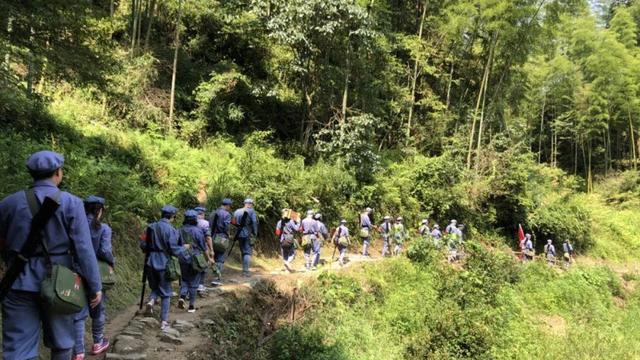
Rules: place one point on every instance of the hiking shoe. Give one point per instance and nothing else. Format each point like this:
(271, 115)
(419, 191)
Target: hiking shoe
(78, 356)
(164, 326)
(246, 274)
(100, 348)
(201, 288)
(216, 283)
(192, 309)
(181, 304)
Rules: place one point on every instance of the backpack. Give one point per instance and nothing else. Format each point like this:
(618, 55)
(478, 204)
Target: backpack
(199, 261)
(62, 291)
(220, 243)
(341, 240)
(172, 271)
(287, 238)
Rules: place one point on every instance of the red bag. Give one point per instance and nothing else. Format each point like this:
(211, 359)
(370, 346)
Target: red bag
(278, 232)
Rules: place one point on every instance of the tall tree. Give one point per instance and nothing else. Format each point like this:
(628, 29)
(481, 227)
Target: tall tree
(175, 63)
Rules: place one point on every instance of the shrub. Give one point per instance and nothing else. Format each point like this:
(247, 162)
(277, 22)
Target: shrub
(303, 342)
(563, 218)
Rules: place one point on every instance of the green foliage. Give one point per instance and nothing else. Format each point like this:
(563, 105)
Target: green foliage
(426, 309)
(339, 290)
(297, 342)
(564, 218)
(352, 142)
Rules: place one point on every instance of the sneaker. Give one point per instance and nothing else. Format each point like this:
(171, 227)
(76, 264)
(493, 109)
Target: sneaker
(164, 326)
(201, 287)
(100, 348)
(148, 308)
(78, 356)
(216, 283)
(181, 304)
(246, 274)
(314, 268)
(192, 309)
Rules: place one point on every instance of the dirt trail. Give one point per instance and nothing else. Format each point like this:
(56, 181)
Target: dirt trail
(136, 336)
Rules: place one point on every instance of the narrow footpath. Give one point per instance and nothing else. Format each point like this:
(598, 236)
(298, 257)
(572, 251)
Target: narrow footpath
(136, 336)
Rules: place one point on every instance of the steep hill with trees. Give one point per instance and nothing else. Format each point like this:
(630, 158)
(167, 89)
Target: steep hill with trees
(493, 112)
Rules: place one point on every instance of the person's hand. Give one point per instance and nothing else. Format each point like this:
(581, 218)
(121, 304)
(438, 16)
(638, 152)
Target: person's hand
(96, 299)
(187, 246)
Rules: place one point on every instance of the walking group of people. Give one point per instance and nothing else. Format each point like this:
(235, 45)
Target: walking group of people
(313, 233)
(185, 254)
(59, 258)
(528, 251)
(59, 262)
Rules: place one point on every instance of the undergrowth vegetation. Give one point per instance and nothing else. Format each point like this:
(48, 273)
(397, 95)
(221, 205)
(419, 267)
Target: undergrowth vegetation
(139, 171)
(489, 308)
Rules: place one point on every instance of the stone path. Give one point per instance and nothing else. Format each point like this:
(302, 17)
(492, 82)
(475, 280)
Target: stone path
(137, 336)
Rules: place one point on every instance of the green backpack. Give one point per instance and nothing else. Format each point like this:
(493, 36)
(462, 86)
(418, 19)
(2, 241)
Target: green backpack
(220, 243)
(199, 261)
(107, 275)
(62, 291)
(172, 271)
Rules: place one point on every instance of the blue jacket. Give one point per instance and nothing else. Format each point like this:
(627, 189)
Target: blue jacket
(221, 226)
(309, 226)
(197, 241)
(385, 229)
(528, 245)
(342, 230)
(322, 229)
(101, 240)
(163, 240)
(365, 221)
(250, 227)
(67, 230)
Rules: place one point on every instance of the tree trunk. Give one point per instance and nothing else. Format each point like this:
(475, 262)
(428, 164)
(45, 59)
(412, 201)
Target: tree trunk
(7, 56)
(111, 8)
(414, 79)
(633, 141)
(448, 102)
(175, 64)
(30, 65)
(475, 114)
(345, 93)
(151, 16)
(140, 12)
(134, 25)
(484, 98)
(310, 121)
(589, 178)
(575, 158)
(544, 102)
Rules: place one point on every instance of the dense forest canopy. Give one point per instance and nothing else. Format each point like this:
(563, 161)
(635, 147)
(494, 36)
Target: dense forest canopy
(349, 80)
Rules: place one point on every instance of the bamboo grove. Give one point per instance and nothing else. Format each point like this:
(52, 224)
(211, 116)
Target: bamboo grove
(351, 80)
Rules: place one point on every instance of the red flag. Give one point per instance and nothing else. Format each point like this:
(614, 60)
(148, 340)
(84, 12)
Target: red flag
(520, 233)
